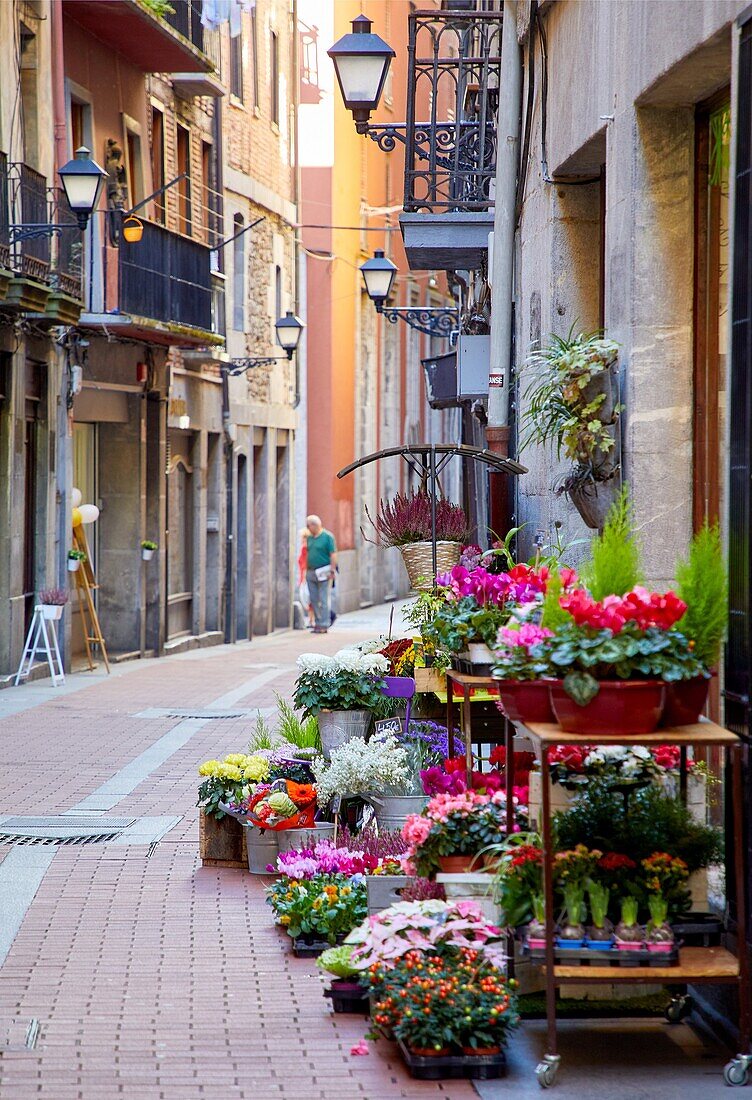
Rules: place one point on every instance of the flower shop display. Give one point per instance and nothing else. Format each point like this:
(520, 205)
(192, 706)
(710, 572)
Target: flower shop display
(362, 768)
(318, 911)
(324, 857)
(405, 522)
(346, 991)
(572, 402)
(342, 692)
(453, 831)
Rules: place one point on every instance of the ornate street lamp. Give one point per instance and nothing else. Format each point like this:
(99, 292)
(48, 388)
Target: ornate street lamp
(83, 180)
(361, 60)
(378, 275)
(289, 329)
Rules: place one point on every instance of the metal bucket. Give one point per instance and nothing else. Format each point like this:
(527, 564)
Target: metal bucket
(262, 848)
(393, 810)
(303, 838)
(339, 726)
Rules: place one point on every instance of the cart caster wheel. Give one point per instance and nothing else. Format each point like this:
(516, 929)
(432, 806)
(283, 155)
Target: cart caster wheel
(678, 1009)
(736, 1072)
(546, 1071)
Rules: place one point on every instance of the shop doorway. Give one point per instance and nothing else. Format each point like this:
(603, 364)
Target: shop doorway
(180, 535)
(85, 478)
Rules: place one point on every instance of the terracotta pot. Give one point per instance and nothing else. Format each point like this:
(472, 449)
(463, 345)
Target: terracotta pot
(429, 1052)
(459, 865)
(685, 701)
(476, 1052)
(621, 706)
(526, 700)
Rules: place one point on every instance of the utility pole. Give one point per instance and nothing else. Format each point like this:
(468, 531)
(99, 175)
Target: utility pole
(502, 269)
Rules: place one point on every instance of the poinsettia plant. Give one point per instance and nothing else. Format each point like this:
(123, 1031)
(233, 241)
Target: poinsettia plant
(620, 638)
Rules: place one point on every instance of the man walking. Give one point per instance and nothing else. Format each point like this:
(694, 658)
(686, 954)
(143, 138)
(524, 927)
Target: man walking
(321, 564)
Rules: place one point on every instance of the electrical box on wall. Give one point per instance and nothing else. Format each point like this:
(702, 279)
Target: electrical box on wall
(473, 366)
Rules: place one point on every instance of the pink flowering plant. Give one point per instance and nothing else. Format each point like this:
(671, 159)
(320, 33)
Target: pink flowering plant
(324, 858)
(477, 603)
(522, 652)
(427, 926)
(454, 824)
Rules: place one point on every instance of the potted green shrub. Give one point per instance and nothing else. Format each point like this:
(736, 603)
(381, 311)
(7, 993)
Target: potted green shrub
(405, 522)
(148, 549)
(702, 583)
(75, 557)
(573, 404)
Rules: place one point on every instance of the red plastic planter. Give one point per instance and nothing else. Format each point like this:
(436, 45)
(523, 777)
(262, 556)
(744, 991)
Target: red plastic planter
(685, 701)
(526, 700)
(621, 706)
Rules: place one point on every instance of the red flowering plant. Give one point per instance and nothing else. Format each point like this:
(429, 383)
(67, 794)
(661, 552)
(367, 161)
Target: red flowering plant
(518, 878)
(453, 999)
(620, 638)
(573, 766)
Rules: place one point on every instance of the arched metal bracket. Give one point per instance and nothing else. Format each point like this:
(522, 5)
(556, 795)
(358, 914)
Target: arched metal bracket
(432, 320)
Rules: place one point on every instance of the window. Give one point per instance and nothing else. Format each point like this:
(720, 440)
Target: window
(277, 293)
(77, 125)
(133, 169)
(236, 66)
(157, 162)
(274, 76)
(254, 57)
(185, 221)
(238, 275)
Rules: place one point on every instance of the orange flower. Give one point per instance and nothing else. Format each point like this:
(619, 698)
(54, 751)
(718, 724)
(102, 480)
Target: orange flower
(302, 794)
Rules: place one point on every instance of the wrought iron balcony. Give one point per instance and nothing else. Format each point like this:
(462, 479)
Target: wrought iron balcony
(29, 205)
(186, 20)
(454, 63)
(158, 289)
(4, 214)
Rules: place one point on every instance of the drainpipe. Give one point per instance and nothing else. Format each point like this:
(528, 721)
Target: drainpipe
(58, 85)
(502, 273)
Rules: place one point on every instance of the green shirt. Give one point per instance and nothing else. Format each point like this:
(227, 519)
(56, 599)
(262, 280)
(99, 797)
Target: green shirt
(320, 549)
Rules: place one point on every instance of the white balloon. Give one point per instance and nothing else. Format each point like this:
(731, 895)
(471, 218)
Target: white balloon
(89, 513)
(76, 497)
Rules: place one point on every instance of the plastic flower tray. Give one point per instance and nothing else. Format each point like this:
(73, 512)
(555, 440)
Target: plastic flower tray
(618, 959)
(349, 1000)
(698, 930)
(308, 947)
(477, 1067)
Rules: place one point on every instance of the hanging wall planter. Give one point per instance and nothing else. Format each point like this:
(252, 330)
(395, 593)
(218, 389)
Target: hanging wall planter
(148, 550)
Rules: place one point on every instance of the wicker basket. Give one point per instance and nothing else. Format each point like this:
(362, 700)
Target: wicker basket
(418, 559)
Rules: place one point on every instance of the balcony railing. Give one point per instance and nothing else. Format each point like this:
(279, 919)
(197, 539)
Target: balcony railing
(4, 213)
(454, 73)
(164, 277)
(186, 20)
(67, 247)
(29, 206)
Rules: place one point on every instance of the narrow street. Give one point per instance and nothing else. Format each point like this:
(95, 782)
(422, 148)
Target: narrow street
(153, 977)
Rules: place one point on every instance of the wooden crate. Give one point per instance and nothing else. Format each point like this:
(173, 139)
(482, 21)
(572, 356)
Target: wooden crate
(221, 843)
(428, 679)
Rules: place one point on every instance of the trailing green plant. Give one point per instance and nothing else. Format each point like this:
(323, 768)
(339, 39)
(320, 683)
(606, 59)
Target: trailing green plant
(457, 624)
(652, 821)
(702, 582)
(563, 407)
(614, 567)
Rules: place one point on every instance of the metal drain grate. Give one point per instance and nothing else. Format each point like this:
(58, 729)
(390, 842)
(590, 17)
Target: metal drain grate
(207, 715)
(62, 830)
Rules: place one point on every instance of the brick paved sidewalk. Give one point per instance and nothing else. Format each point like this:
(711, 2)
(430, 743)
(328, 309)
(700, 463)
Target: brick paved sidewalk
(150, 975)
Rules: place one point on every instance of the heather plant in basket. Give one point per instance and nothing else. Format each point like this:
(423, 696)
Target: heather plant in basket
(407, 519)
(58, 597)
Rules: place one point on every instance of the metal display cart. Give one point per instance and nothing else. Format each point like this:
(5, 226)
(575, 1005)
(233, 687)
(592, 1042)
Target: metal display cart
(697, 965)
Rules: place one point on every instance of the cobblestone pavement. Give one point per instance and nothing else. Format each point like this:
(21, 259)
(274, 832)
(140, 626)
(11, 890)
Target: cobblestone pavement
(153, 977)
(150, 975)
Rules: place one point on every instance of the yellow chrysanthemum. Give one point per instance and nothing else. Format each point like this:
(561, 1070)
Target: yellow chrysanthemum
(236, 758)
(231, 772)
(255, 768)
(209, 767)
